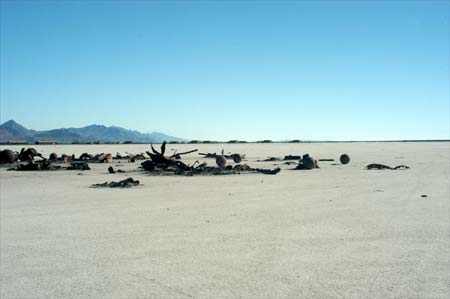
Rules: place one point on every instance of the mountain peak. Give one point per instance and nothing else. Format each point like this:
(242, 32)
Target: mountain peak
(11, 130)
(11, 124)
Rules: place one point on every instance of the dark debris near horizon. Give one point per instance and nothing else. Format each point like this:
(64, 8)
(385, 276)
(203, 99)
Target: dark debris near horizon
(161, 164)
(156, 162)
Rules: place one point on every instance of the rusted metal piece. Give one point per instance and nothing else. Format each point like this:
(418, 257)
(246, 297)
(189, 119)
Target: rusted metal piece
(28, 154)
(158, 159)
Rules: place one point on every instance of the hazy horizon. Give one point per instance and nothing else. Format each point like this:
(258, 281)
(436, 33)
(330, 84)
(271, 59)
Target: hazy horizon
(241, 140)
(230, 70)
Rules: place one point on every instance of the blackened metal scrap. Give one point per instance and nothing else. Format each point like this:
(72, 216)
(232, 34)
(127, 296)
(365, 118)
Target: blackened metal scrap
(78, 165)
(292, 157)
(164, 161)
(286, 158)
(237, 158)
(344, 158)
(36, 166)
(382, 166)
(270, 159)
(126, 183)
(112, 170)
(28, 154)
(8, 156)
(307, 162)
(167, 165)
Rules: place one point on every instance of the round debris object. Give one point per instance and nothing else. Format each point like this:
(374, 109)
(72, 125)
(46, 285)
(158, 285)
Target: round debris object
(53, 156)
(344, 158)
(237, 158)
(309, 163)
(221, 161)
(7, 156)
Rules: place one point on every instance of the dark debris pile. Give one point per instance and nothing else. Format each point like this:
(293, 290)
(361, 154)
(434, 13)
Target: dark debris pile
(161, 164)
(381, 166)
(126, 183)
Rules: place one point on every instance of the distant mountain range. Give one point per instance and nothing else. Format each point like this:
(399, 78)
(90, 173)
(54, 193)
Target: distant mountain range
(12, 131)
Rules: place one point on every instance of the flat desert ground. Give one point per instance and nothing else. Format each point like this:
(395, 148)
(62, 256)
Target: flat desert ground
(335, 232)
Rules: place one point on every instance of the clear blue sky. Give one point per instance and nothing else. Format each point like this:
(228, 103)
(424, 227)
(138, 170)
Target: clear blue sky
(230, 70)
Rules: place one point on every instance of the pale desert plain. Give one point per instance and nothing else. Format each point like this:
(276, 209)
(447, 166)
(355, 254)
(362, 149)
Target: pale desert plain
(335, 232)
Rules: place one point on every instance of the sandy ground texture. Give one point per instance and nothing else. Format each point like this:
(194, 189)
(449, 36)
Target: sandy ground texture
(335, 232)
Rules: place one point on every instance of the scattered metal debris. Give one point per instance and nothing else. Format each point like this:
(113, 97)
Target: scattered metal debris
(29, 154)
(381, 166)
(103, 158)
(163, 165)
(36, 165)
(270, 159)
(78, 165)
(86, 156)
(237, 158)
(126, 183)
(159, 163)
(130, 157)
(286, 158)
(112, 170)
(292, 157)
(98, 158)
